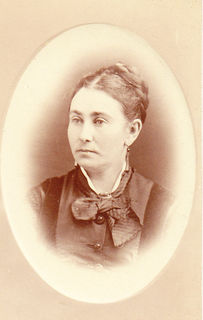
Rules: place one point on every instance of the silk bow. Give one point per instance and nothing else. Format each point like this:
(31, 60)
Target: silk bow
(122, 221)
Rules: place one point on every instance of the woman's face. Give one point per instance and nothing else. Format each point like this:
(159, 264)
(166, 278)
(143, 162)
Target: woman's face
(98, 130)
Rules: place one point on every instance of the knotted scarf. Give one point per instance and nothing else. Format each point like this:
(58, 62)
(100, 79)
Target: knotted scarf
(115, 208)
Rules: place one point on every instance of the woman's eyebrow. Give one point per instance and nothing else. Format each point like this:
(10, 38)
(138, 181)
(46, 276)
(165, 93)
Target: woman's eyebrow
(100, 114)
(76, 112)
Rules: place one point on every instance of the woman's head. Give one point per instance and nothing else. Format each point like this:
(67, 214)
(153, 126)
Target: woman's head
(122, 83)
(106, 115)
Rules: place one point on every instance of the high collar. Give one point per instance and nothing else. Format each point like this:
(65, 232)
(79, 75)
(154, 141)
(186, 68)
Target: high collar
(125, 167)
(133, 186)
(83, 186)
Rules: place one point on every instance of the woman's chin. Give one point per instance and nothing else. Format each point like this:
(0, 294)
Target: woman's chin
(88, 164)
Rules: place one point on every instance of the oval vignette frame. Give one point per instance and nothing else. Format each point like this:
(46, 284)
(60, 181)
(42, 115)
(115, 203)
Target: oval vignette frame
(37, 119)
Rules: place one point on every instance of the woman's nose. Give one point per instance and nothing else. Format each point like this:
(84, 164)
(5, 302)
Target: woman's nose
(86, 133)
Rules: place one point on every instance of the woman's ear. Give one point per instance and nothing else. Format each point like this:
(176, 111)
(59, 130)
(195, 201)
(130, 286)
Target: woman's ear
(135, 127)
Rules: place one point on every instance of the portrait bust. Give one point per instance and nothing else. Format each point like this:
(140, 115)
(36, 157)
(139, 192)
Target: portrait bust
(102, 166)
(103, 211)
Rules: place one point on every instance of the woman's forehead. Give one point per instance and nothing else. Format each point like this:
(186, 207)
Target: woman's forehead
(89, 100)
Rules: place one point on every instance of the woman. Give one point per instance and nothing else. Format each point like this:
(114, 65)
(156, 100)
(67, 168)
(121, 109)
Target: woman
(103, 211)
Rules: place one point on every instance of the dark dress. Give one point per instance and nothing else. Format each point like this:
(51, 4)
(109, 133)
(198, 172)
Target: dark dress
(101, 229)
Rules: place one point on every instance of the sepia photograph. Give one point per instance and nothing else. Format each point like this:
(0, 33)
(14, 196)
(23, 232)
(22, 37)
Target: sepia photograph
(120, 202)
(100, 168)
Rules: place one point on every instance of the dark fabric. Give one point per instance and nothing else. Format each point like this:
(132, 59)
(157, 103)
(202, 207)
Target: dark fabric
(160, 200)
(115, 208)
(49, 207)
(148, 202)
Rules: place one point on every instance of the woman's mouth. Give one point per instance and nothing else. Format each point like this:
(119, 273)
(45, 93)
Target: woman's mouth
(86, 151)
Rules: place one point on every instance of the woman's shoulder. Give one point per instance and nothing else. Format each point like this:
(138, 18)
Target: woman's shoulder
(44, 199)
(55, 182)
(51, 186)
(154, 190)
(155, 203)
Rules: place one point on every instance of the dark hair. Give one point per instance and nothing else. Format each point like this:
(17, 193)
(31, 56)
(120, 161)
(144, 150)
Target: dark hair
(122, 83)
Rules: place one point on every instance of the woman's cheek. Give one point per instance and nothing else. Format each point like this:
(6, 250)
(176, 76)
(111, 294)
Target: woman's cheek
(71, 135)
(72, 131)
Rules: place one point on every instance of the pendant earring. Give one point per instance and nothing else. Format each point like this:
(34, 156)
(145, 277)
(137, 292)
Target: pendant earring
(128, 149)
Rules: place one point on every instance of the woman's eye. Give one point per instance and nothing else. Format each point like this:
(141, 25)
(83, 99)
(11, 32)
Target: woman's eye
(76, 120)
(99, 121)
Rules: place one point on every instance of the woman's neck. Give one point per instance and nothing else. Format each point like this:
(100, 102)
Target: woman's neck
(104, 180)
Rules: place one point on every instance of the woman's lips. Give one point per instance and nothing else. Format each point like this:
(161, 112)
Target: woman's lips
(86, 151)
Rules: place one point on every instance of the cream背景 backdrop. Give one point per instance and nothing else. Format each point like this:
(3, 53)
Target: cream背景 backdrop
(173, 30)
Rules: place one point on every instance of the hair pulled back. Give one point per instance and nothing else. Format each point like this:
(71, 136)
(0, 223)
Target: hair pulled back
(122, 83)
